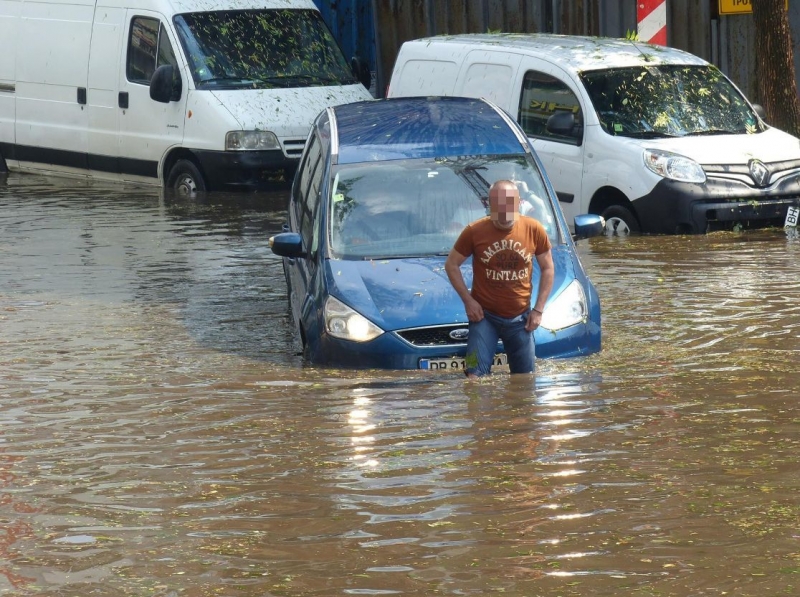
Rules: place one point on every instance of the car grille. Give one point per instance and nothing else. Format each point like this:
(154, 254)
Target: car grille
(293, 148)
(433, 336)
(741, 172)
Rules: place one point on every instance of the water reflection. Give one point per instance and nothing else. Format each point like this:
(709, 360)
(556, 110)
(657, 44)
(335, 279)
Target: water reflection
(160, 436)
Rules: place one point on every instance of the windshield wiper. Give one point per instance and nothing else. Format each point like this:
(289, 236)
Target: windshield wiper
(225, 80)
(712, 132)
(290, 80)
(648, 135)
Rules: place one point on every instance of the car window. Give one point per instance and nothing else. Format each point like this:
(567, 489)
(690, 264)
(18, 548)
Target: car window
(309, 195)
(542, 96)
(148, 48)
(408, 208)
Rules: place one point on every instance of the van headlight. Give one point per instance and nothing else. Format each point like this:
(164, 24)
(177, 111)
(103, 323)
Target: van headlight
(674, 166)
(567, 309)
(251, 141)
(343, 322)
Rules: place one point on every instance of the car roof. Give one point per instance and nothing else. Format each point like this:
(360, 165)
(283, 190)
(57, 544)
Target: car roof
(424, 127)
(574, 53)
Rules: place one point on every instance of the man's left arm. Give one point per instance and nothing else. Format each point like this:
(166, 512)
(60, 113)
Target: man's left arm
(545, 261)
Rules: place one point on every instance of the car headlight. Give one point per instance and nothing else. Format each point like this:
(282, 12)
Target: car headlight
(251, 141)
(343, 322)
(567, 309)
(674, 166)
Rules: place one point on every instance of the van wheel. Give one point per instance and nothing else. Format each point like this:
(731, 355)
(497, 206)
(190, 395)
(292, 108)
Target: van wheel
(185, 179)
(620, 221)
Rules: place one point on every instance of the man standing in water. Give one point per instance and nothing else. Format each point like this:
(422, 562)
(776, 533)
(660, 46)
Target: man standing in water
(503, 246)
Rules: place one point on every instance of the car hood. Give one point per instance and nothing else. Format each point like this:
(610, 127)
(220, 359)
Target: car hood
(406, 293)
(286, 112)
(772, 145)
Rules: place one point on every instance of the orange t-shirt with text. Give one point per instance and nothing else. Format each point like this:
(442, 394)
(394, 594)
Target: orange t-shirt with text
(502, 262)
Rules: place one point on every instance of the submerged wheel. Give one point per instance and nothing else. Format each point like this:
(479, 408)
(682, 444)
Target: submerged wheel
(620, 221)
(185, 179)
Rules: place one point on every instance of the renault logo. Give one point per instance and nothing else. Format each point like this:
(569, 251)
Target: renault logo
(459, 334)
(759, 172)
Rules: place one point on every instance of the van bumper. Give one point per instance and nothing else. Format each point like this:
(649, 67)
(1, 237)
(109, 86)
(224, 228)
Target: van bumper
(684, 208)
(245, 170)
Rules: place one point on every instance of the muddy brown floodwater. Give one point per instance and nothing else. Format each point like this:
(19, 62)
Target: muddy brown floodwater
(159, 435)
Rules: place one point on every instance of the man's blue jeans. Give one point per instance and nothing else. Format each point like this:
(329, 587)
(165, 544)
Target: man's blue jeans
(517, 341)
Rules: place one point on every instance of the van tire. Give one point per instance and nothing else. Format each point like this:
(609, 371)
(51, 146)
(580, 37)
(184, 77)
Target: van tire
(3, 166)
(185, 179)
(620, 221)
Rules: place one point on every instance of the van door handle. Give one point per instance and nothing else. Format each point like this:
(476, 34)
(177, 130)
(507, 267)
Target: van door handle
(82, 96)
(123, 99)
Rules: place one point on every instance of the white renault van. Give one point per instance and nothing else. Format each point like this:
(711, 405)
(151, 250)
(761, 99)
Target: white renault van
(190, 94)
(652, 138)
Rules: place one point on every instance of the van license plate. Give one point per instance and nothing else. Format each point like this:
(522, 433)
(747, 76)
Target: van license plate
(792, 216)
(455, 363)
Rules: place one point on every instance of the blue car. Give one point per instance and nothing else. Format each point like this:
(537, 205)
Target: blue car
(382, 191)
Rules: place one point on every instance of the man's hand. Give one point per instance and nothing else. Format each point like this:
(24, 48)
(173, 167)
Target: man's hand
(534, 320)
(473, 309)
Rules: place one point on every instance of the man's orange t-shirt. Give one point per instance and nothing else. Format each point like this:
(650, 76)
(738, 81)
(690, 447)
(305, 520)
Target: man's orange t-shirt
(502, 262)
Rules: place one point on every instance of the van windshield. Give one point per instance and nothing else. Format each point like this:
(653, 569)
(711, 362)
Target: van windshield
(418, 207)
(668, 101)
(261, 49)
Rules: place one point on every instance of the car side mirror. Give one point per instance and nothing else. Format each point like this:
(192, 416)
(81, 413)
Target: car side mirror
(564, 123)
(587, 226)
(165, 84)
(287, 244)
(762, 113)
(361, 71)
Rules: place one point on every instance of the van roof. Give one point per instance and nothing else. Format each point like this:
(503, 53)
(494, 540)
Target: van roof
(419, 127)
(184, 6)
(573, 52)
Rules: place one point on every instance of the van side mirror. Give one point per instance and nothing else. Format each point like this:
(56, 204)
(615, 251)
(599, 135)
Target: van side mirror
(563, 123)
(361, 71)
(588, 225)
(165, 84)
(762, 113)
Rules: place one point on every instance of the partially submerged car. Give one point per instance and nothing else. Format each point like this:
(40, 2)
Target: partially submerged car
(383, 190)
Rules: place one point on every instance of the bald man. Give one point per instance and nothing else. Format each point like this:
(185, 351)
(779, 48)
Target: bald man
(503, 246)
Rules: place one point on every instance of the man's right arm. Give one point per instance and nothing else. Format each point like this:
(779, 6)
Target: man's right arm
(452, 266)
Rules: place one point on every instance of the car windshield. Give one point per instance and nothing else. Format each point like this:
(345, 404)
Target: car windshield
(417, 208)
(261, 49)
(668, 101)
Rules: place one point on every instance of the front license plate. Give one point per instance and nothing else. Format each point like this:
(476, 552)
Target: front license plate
(791, 217)
(455, 363)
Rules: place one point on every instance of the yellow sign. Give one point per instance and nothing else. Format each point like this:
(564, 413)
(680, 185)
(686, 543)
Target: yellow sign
(738, 7)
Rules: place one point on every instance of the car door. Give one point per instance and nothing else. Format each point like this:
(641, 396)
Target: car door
(147, 128)
(102, 105)
(52, 62)
(303, 213)
(542, 94)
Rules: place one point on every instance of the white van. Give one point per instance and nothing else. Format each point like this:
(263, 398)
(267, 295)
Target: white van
(190, 94)
(652, 138)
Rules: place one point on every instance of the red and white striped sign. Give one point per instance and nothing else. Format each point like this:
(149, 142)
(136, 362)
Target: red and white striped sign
(651, 18)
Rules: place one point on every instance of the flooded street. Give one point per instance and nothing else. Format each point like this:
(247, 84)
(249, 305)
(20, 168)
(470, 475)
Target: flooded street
(159, 435)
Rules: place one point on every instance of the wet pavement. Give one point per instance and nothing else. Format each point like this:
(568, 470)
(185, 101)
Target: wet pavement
(159, 435)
